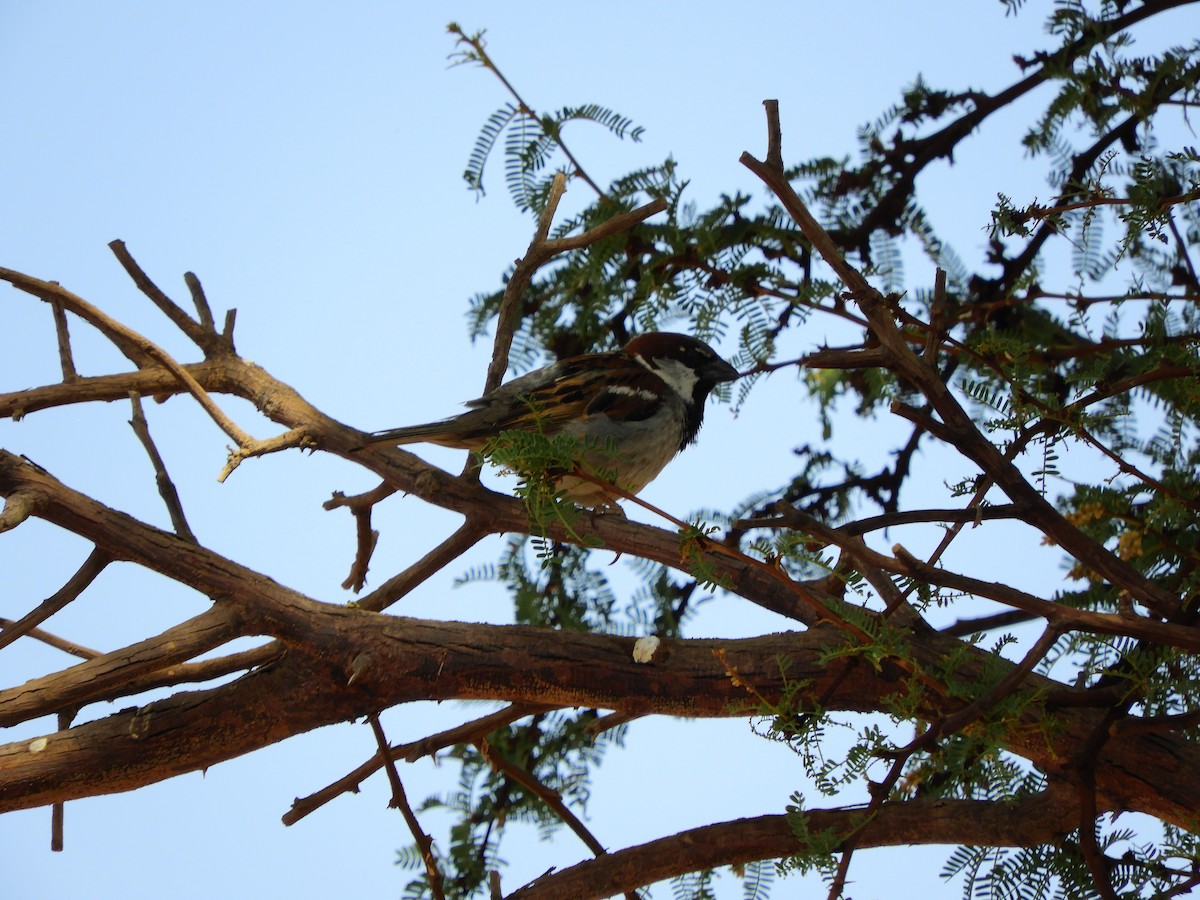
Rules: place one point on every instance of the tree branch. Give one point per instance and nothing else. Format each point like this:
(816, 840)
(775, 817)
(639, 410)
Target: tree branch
(1026, 823)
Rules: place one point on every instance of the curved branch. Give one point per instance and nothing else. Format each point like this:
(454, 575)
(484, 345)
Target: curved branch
(127, 340)
(1026, 823)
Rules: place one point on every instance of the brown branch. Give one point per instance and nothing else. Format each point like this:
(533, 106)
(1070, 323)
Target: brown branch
(968, 627)
(400, 801)
(969, 516)
(129, 341)
(154, 381)
(200, 301)
(548, 796)
(401, 660)
(360, 506)
(166, 487)
(117, 673)
(96, 562)
(251, 447)
(410, 752)
(508, 317)
(54, 641)
(199, 334)
(57, 811)
(65, 358)
(467, 536)
(397, 659)
(1037, 820)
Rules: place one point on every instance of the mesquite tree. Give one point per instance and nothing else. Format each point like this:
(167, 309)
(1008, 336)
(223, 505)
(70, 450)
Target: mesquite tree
(1007, 721)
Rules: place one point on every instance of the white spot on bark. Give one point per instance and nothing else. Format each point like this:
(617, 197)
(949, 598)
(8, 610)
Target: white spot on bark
(644, 647)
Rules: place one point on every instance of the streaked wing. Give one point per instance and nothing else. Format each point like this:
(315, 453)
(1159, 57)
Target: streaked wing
(569, 391)
(608, 385)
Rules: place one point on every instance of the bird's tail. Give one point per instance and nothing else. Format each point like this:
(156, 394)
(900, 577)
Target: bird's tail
(429, 433)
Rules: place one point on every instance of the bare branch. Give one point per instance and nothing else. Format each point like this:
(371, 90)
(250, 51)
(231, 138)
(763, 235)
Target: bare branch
(96, 562)
(54, 641)
(129, 341)
(462, 540)
(203, 311)
(166, 487)
(64, 343)
(509, 315)
(400, 802)
(360, 506)
(107, 676)
(250, 448)
(1041, 819)
(551, 798)
(411, 752)
(199, 335)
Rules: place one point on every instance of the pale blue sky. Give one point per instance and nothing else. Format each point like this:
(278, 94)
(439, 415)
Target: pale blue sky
(305, 161)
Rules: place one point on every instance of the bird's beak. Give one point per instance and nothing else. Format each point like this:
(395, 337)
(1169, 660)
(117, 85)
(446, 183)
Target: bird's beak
(718, 371)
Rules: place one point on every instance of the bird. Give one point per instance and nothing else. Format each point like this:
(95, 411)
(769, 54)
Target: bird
(635, 408)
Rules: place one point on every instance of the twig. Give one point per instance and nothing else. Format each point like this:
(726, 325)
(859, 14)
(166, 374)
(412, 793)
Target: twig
(136, 347)
(1007, 685)
(618, 223)
(539, 253)
(820, 607)
(612, 720)
(1064, 617)
(251, 447)
(204, 670)
(64, 343)
(1089, 848)
(969, 515)
(937, 311)
(360, 506)
(92, 566)
(1034, 211)
(166, 487)
(400, 801)
(57, 810)
(203, 310)
(108, 675)
(967, 627)
(199, 335)
(855, 548)
(463, 539)
(548, 796)
(481, 56)
(509, 315)
(53, 640)
(410, 752)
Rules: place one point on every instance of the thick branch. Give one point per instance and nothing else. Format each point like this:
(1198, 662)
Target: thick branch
(1028, 823)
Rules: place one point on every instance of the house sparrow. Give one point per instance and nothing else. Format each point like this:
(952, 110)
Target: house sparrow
(648, 398)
